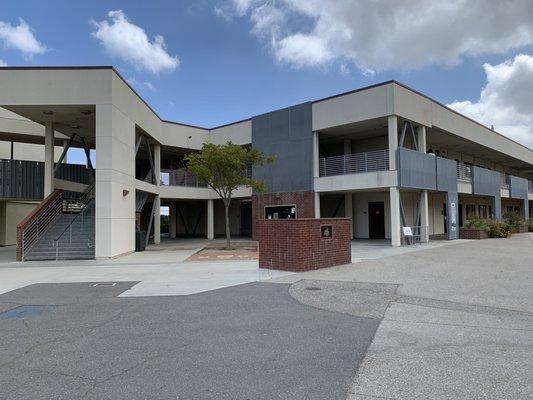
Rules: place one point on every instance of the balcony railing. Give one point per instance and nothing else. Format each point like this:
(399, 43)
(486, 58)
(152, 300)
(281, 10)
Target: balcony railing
(180, 177)
(357, 163)
(530, 186)
(505, 181)
(464, 172)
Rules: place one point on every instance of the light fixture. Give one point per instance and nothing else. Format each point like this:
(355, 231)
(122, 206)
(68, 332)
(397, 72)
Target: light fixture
(86, 112)
(75, 126)
(48, 112)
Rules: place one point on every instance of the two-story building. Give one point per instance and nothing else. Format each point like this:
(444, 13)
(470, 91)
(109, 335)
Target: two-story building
(386, 156)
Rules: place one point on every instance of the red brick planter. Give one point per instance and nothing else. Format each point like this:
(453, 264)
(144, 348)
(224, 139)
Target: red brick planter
(520, 229)
(303, 244)
(467, 233)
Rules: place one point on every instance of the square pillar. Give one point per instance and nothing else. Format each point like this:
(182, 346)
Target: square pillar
(317, 205)
(393, 140)
(157, 163)
(172, 220)
(452, 201)
(497, 207)
(395, 219)
(422, 143)
(348, 211)
(316, 155)
(115, 175)
(424, 216)
(210, 219)
(48, 158)
(157, 220)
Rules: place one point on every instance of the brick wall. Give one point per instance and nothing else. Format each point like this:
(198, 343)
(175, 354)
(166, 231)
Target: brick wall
(465, 233)
(297, 245)
(304, 201)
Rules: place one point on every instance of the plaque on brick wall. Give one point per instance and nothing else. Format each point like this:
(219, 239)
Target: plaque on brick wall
(326, 231)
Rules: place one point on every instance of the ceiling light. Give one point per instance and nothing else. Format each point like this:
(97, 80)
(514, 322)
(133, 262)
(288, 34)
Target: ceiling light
(75, 126)
(86, 112)
(48, 112)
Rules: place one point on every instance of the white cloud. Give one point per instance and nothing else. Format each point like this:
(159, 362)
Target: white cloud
(384, 34)
(129, 42)
(506, 100)
(149, 85)
(3, 63)
(20, 37)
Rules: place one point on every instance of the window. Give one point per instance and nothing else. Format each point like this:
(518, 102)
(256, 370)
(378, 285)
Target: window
(280, 212)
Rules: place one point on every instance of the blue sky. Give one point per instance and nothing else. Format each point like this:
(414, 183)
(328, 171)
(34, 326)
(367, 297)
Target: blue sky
(239, 58)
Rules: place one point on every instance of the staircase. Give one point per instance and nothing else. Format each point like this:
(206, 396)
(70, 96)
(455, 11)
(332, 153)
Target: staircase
(68, 234)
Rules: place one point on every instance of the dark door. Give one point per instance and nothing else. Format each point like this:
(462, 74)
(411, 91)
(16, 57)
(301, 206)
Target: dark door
(246, 218)
(376, 220)
(461, 215)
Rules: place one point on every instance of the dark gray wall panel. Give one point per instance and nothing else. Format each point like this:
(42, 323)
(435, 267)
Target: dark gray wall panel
(452, 209)
(416, 170)
(286, 134)
(518, 187)
(485, 182)
(446, 175)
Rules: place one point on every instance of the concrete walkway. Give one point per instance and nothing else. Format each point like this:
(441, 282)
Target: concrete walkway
(458, 326)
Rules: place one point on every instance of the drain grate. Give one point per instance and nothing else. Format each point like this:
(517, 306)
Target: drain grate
(24, 312)
(104, 284)
(312, 288)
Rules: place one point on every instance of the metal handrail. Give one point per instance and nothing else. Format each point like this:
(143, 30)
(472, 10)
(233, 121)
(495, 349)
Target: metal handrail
(464, 172)
(38, 222)
(87, 206)
(181, 177)
(369, 161)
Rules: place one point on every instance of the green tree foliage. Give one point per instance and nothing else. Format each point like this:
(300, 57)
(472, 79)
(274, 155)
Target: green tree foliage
(224, 168)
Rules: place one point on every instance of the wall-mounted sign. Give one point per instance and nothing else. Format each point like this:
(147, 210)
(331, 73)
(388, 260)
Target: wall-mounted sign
(326, 231)
(407, 231)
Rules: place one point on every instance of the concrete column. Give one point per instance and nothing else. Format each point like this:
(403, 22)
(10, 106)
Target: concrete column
(65, 145)
(395, 220)
(172, 220)
(210, 219)
(115, 176)
(424, 216)
(393, 141)
(422, 141)
(317, 205)
(48, 158)
(348, 210)
(157, 163)
(316, 155)
(157, 220)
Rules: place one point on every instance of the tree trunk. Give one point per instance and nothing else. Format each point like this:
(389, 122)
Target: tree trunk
(226, 212)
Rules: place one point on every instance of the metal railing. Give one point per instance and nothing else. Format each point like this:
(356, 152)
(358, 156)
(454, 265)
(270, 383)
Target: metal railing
(530, 185)
(180, 177)
(369, 161)
(464, 172)
(505, 181)
(32, 228)
(417, 232)
(85, 216)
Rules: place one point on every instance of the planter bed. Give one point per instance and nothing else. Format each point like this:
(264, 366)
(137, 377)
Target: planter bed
(521, 229)
(467, 233)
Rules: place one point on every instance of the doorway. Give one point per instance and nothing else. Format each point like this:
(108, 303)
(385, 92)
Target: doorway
(376, 220)
(246, 218)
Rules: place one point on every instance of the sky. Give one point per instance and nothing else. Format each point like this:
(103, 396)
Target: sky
(208, 63)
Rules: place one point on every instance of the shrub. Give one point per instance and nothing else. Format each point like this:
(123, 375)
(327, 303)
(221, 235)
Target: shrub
(477, 222)
(499, 229)
(514, 219)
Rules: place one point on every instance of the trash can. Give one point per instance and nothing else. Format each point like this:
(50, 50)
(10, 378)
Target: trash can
(140, 240)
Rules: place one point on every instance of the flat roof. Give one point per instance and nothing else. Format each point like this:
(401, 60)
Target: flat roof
(110, 67)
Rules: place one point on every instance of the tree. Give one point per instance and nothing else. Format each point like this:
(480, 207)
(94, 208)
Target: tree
(224, 168)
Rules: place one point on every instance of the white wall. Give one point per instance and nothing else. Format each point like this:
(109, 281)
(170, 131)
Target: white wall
(360, 212)
(11, 214)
